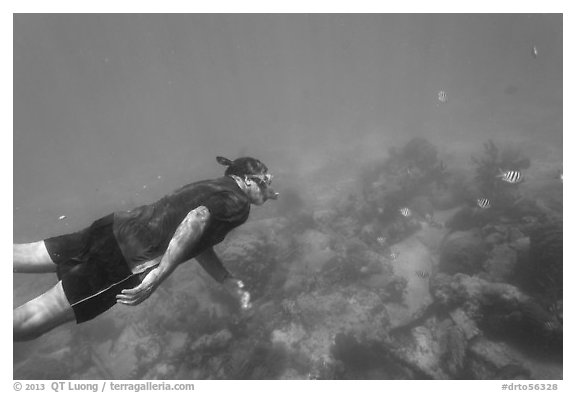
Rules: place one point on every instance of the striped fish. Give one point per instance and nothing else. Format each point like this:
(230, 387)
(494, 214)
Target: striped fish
(483, 203)
(442, 96)
(422, 274)
(512, 177)
(405, 212)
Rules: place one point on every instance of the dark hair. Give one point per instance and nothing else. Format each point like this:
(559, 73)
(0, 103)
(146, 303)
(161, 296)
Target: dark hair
(243, 166)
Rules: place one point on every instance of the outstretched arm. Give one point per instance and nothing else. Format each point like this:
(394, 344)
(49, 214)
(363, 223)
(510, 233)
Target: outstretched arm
(187, 234)
(213, 266)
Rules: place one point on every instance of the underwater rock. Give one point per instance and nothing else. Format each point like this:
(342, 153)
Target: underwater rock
(462, 252)
(212, 342)
(495, 238)
(346, 225)
(494, 234)
(522, 245)
(500, 310)
(454, 344)
(291, 374)
(396, 289)
(243, 246)
(500, 265)
(515, 234)
(470, 293)
(289, 335)
(546, 253)
(468, 218)
(423, 351)
(490, 360)
(364, 359)
(315, 254)
(324, 217)
(163, 371)
(526, 323)
(251, 256)
(464, 324)
(434, 349)
(316, 318)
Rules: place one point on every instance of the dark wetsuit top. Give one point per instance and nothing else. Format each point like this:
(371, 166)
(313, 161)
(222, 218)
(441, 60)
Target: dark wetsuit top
(144, 233)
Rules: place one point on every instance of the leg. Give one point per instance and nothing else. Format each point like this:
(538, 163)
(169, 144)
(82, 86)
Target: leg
(32, 258)
(42, 314)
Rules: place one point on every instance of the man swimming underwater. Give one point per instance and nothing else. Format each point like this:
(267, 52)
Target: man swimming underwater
(125, 256)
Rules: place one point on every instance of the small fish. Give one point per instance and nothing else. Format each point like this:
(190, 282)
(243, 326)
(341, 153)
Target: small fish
(534, 51)
(61, 218)
(483, 203)
(405, 212)
(442, 96)
(158, 177)
(512, 177)
(380, 210)
(422, 274)
(381, 240)
(394, 254)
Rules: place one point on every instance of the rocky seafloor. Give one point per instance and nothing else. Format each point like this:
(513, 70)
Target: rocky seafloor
(345, 288)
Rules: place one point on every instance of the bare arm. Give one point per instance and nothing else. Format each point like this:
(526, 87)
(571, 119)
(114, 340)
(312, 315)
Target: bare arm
(213, 266)
(187, 234)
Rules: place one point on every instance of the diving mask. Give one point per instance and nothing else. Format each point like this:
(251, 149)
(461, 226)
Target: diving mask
(264, 181)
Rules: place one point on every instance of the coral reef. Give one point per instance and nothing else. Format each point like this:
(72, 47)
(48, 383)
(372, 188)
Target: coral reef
(347, 287)
(500, 264)
(546, 251)
(489, 360)
(462, 252)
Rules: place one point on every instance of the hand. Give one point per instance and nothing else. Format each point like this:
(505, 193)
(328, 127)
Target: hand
(138, 294)
(234, 286)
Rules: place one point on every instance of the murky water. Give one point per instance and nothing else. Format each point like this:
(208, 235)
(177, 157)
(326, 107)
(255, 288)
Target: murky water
(114, 111)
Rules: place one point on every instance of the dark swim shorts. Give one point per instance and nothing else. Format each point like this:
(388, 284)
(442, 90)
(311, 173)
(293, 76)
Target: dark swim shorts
(92, 268)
